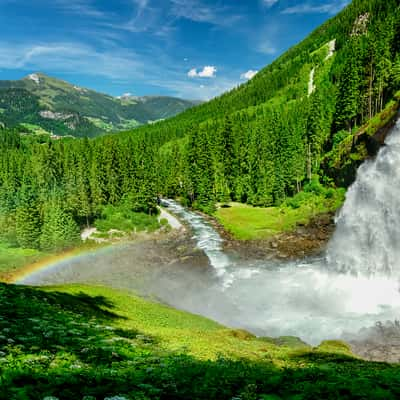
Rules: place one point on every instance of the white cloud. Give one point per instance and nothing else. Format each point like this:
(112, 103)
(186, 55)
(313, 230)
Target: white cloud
(79, 7)
(71, 58)
(249, 74)
(125, 95)
(192, 73)
(188, 89)
(141, 3)
(307, 8)
(266, 47)
(119, 65)
(197, 11)
(269, 3)
(209, 71)
(192, 10)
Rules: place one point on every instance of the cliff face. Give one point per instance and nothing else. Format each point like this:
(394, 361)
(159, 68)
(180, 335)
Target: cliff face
(342, 162)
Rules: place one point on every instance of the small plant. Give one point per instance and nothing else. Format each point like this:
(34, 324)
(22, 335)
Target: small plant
(123, 218)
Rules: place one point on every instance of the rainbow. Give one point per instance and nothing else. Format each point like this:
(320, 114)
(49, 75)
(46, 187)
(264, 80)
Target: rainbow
(53, 262)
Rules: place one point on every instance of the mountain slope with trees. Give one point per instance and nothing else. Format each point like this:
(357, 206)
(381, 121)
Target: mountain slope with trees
(299, 129)
(269, 142)
(39, 101)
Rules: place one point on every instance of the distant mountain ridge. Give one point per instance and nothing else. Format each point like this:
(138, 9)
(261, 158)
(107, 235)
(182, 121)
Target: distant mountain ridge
(42, 104)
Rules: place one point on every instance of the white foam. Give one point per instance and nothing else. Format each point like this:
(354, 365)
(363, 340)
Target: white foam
(367, 236)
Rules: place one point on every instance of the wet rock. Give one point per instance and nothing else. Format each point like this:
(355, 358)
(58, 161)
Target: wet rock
(116, 398)
(378, 343)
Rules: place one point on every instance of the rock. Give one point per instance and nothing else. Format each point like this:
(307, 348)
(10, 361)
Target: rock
(301, 230)
(116, 398)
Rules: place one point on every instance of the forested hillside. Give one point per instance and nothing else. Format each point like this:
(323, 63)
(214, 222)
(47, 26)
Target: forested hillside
(42, 104)
(302, 121)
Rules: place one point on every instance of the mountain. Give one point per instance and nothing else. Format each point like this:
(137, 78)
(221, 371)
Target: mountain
(311, 115)
(298, 129)
(42, 103)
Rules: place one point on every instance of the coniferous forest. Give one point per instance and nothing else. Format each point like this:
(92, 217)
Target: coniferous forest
(259, 144)
(303, 309)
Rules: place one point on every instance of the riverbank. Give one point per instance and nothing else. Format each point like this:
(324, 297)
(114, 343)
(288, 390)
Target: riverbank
(168, 267)
(16, 262)
(275, 233)
(305, 240)
(299, 227)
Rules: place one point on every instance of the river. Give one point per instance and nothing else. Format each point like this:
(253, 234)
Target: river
(340, 295)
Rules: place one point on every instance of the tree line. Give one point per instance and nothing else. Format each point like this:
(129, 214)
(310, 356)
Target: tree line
(257, 144)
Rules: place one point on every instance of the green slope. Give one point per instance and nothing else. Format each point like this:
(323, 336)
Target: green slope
(261, 142)
(71, 342)
(62, 108)
(270, 142)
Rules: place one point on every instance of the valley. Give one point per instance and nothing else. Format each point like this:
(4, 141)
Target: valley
(42, 105)
(241, 248)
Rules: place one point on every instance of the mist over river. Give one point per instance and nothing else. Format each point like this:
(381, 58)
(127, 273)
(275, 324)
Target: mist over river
(340, 295)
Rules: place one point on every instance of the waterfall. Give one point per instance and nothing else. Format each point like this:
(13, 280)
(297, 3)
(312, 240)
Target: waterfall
(207, 239)
(315, 299)
(367, 236)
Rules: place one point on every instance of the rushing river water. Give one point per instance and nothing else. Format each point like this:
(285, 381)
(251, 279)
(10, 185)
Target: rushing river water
(353, 287)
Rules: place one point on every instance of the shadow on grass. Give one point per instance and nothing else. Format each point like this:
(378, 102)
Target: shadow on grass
(64, 345)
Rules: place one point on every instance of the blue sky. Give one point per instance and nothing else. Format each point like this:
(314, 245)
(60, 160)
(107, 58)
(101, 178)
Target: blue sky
(194, 49)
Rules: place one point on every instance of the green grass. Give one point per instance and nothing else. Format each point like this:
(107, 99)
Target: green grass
(14, 258)
(78, 341)
(122, 218)
(101, 124)
(35, 129)
(128, 124)
(245, 222)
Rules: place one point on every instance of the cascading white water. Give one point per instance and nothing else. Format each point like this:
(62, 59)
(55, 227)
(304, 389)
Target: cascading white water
(367, 236)
(314, 299)
(207, 239)
(354, 287)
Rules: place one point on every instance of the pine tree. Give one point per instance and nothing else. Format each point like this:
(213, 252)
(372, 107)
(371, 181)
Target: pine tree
(59, 230)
